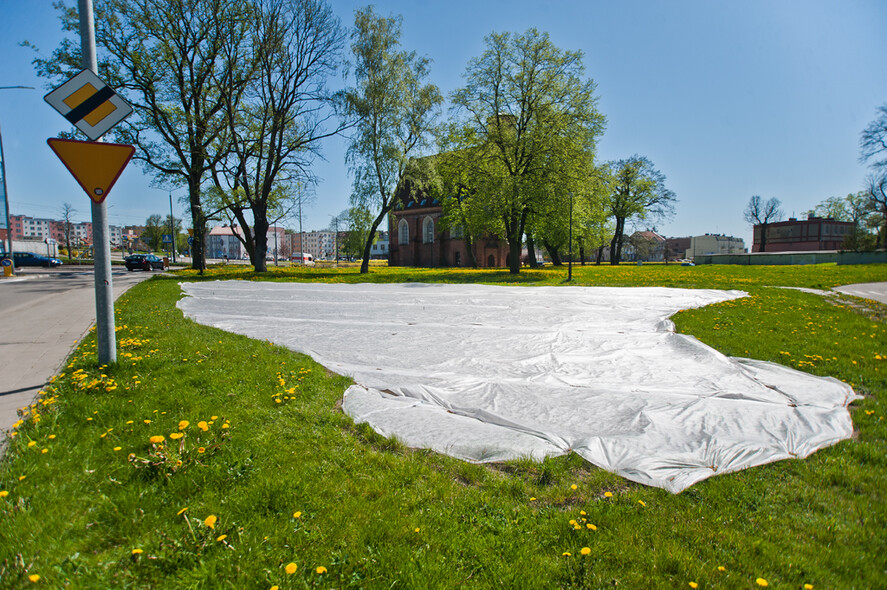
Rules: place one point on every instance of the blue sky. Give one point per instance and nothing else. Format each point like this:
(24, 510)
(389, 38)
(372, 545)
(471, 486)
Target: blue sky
(727, 99)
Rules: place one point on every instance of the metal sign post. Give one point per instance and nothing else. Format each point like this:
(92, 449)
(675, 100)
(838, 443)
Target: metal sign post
(106, 337)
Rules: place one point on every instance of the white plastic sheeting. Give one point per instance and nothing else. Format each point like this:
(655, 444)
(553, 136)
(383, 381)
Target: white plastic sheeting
(488, 373)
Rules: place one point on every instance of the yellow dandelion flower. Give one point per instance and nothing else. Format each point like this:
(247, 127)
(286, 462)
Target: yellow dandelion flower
(608, 494)
(721, 568)
(32, 444)
(591, 527)
(532, 499)
(808, 586)
(320, 569)
(567, 554)
(694, 585)
(221, 538)
(181, 511)
(573, 522)
(297, 514)
(642, 503)
(582, 512)
(416, 530)
(183, 424)
(761, 582)
(574, 487)
(213, 417)
(51, 437)
(157, 439)
(202, 426)
(585, 551)
(3, 493)
(137, 551)
(117, 448)
(146, 421)
(34, 578)
(291, 568)
(21, 477)
(201, 450)
(45, 451)
(274, 587)
(211, 521)
(176, 435)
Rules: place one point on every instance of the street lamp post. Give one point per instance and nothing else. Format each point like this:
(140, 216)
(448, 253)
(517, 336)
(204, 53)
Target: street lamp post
(3, 173)
(570, 247)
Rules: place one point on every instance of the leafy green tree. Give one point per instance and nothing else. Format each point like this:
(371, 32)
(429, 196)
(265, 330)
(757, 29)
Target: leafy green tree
(636, 192)
(393, 110)
(531, 121)
(857, 209)
(153, 233)
(358, 222)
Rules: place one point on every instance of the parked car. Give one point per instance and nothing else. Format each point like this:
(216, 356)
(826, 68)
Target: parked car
(143, 262)
(30, 259)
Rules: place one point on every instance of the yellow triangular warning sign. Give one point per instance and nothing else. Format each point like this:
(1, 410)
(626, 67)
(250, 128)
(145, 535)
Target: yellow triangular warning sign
(96, 166)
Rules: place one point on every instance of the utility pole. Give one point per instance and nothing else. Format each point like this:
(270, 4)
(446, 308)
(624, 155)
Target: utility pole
(106, 337)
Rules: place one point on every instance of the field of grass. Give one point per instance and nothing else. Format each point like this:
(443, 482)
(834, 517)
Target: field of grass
(270, 484)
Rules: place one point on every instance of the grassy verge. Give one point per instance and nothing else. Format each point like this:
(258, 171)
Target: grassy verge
(91, 502)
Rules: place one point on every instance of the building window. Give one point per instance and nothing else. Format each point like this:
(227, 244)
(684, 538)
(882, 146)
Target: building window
(403, 232)
(428, 231)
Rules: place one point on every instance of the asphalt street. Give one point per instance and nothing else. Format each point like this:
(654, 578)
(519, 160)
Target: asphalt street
(876, 291)
(43, 313)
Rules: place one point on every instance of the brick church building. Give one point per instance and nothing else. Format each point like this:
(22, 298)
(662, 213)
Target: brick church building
(416, 239)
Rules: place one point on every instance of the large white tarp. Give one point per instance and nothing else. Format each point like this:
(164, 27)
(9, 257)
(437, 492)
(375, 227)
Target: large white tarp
(489, 373)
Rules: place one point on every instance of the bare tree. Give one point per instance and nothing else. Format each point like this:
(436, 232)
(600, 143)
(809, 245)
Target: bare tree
(180, 64)
(877, 197)
(277, 126)
(873, 142)
(762, 213)
(68, 212)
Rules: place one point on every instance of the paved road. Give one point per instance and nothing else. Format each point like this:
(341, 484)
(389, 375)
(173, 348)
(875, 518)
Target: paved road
(42, 314)
(876, 291)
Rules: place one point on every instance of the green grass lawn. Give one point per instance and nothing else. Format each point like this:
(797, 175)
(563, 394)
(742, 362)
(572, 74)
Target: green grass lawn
(90, 502)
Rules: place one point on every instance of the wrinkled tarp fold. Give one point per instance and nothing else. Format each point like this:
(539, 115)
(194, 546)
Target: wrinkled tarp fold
(490, 373)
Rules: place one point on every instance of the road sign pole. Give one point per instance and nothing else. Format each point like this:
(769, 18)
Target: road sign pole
(106, 337)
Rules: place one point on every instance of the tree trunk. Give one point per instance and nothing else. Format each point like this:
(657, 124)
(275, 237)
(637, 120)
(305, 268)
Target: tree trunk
(531, 251)
(260, 239)
(600, 255)
(198, 220)
(581, 254)
(365, 264)
(616, 242)
(469, 249)
(763, 237)
(554, 253)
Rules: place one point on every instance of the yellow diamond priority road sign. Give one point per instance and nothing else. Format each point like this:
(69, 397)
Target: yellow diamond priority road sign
(95, 166)
(89, 104)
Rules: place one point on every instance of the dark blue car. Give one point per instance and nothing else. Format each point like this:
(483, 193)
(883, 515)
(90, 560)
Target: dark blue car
(20, 259)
